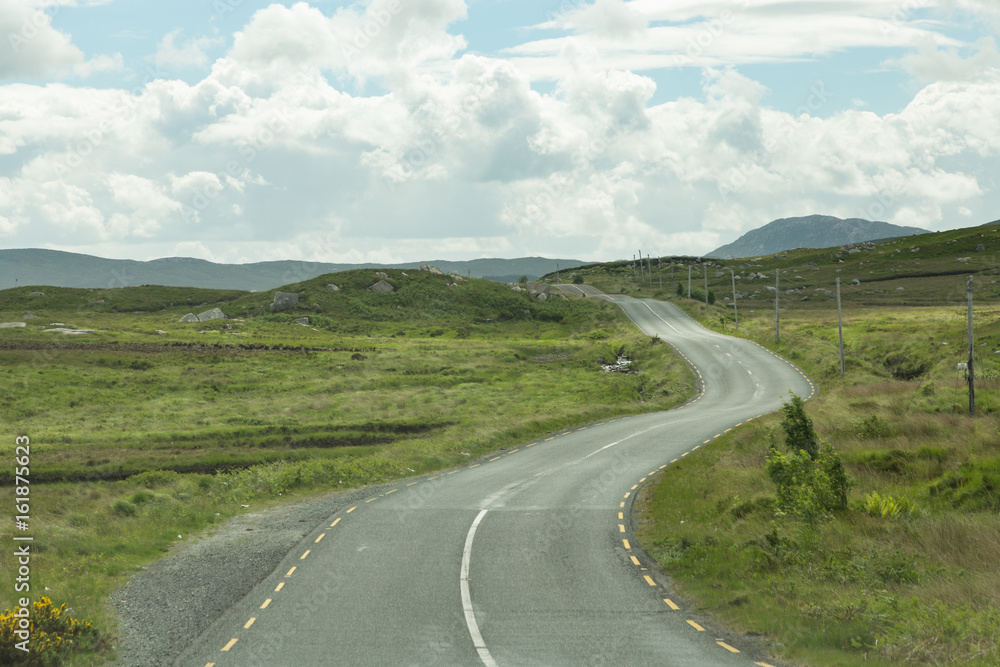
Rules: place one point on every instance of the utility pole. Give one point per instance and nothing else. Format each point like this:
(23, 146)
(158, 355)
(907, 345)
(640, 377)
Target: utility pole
(659, 270)
(704, 269)
(689, 281)
(649, 266)
(840, 328)
(642, 276)
(736, 314)
(633, 267)
(558, 279)
(972, 381)
(777, 308)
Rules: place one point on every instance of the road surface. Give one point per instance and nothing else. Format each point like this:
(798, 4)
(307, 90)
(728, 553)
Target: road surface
(524, 559)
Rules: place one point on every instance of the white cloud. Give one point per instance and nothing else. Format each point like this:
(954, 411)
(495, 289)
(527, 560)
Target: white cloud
(930, 63)
(31, 47)
(170, 55)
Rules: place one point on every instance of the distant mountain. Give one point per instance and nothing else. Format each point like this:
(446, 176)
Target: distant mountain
(814, 231)
(67, 269)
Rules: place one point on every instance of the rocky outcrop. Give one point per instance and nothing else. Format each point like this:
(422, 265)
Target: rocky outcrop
(431, 268)
(284, 300)
(333, 288)
(190, 317)
(213, 314)
(381, 286)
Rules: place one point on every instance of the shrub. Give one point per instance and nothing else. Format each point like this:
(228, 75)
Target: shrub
(54, 634)
(886, 507)
(578, 279)
(871, 427)
(799, 432)
(123, 507)
(154, 478)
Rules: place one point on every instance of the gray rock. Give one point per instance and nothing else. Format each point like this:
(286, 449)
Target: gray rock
(284, 300)
(542, 297)
(304, 321)
(29, 316)
(900, 289)
(190, 317)
(37, 294)
(333, 288)
(431, 268)
(980, 248)
(161, 332)
(457, 278)
(381, 286)
(516, 288)
(856, 281)
(963, 259)
(382, 275)
(71, 332)
(213, 314)
(12, 325)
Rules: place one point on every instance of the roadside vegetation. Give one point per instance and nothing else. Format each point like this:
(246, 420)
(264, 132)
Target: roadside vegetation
(905, 571)
(149, 430)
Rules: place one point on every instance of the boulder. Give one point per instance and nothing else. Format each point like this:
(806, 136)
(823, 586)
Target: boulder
(333, 288)
(190, 317)
(29, 316)
(213, 314)
(431, 268)
(304, 321)
(963, 259)
(382, 275)
(284, 300)
(980, 248)
(12, 325)
(381, 286)
(37, 294)
(542, 297)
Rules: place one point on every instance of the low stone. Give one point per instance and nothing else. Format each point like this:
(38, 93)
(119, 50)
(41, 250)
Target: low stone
(161, 332)
(382, 275)
(431, 268)
(333, 288)
(980, 248)
(213, 314)
(37, 294)
(284, 300)
(12, 325)
(304, 321)
(190, 317)
(71, 332)
(963, 259)
(542, 297)
(381, 286)
(29, 316)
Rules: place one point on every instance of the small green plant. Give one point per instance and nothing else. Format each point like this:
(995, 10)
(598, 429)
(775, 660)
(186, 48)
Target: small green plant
(886, 507)
(871, 427)
(578, 279)
(123, 507)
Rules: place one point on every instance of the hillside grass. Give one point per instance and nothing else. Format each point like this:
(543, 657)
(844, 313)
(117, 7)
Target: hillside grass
(907, 574)
(139, 437)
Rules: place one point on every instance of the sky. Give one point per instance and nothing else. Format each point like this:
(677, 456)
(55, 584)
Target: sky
(405, 130)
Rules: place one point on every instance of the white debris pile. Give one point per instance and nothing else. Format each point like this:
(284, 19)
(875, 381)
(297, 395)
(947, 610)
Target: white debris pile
(621, 365)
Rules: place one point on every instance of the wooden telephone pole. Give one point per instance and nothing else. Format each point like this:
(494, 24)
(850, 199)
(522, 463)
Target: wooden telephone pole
(777, 308)
(972, 380)
(840, 328)
(736, 314)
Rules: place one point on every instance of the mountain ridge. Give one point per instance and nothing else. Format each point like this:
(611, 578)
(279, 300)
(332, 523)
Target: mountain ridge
(59, 268)
(813, 231)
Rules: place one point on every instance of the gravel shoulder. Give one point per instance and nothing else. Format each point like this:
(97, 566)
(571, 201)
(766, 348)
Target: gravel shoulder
(172, 601)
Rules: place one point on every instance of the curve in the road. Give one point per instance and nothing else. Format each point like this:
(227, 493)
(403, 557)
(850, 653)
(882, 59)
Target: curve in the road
(522, 559)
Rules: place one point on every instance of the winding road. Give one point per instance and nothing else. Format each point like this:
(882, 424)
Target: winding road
(524, 559)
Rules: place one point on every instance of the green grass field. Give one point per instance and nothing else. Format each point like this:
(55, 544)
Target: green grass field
(139, 436)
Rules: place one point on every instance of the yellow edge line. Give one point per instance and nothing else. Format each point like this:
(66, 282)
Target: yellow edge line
(230, 644)
(670, 603)
(696, 626)
(335, 522)
(249, 623)
(727, 646)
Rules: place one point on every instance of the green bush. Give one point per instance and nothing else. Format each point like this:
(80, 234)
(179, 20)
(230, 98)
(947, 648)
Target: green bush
(871, 427)
(799, 431)
(886, 507)
(123, 507)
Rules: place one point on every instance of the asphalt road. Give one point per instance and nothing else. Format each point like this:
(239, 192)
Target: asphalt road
(521, 560)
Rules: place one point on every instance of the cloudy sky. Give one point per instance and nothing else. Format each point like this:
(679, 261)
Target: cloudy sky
(406, 130)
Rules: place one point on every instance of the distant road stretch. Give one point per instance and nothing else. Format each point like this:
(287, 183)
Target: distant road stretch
(524, 559)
